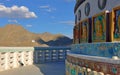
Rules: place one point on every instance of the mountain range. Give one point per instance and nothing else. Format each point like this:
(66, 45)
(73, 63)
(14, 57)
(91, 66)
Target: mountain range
(13, 35)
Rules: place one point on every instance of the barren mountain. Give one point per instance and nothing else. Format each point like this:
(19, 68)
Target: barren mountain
(16, 35)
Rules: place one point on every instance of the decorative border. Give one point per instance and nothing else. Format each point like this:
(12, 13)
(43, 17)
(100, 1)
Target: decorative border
(104, 2)
(114, 32)
(83, 66)
(99, 17)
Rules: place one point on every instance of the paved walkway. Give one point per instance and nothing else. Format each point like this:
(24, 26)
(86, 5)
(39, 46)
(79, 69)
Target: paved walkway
(56, 68)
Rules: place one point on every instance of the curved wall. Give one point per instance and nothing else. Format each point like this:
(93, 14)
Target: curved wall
(94, 8)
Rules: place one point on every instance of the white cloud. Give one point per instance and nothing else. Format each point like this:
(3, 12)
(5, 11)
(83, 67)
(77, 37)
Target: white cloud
(28, 25)
(67, 22)
(13, 21)
(16, 12)
(47, 8)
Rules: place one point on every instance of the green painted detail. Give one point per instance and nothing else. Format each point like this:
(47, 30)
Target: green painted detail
(73, 72)
(114, 70)
(86, 65)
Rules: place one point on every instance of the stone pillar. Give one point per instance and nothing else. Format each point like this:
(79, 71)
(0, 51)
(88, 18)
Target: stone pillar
(7, 61)
(2, 61)
(57, 55)
(36, 56)
(50, 55)
(15, 57)
(23, 58)
(64, 54)
(43, 54)
(30, 59)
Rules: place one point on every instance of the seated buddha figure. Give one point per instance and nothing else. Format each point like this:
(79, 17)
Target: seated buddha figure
(117, 27)
(84, 36)
(119, 24)
(98, 28)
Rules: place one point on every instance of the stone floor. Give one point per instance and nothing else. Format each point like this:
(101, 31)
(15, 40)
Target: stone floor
(56, 68)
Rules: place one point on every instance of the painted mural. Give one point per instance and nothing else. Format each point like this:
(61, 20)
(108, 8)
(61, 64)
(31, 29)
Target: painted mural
(84, 31)
(99, 28)
(117, 25)
(76, 34)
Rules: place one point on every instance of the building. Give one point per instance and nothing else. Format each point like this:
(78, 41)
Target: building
(96, 48)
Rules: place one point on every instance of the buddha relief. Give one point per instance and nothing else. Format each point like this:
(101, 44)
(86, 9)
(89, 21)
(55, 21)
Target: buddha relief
(117, 25)
(98, 28)
(84, 32)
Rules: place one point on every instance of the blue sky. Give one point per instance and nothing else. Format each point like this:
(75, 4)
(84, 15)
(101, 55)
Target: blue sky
(39, 16)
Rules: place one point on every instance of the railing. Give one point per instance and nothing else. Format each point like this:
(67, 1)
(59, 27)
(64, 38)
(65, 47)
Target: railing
(13, 57)
(50, 54)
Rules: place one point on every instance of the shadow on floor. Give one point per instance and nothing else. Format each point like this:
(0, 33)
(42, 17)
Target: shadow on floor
(53, 68)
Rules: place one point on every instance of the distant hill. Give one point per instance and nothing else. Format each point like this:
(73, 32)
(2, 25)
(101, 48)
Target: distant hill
(16, 35)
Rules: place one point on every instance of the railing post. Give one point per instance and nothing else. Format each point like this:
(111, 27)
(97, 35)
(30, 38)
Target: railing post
(50, 55)
(43, 53)
(6, 60)
(57, 55)
(64, 56)
(23, 58)
(36, 56)
(15, 60)
(30, 57)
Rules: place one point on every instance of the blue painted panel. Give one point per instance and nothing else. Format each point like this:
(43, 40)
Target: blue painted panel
(97, 49)
(79, 73)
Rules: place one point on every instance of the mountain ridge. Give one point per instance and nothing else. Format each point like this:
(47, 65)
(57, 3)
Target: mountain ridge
(16, 35)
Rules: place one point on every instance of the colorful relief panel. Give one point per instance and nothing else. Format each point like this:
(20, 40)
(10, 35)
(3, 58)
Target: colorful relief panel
(97, 49)
(84, 31)
(94, 67)
(99, 28)
(116, 32)
(76, 34)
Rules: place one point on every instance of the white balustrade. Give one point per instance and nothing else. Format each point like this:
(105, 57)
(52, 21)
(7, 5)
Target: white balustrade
(14, 57)
(47, 54)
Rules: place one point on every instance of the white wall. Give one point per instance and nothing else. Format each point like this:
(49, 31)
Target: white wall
(94, 8)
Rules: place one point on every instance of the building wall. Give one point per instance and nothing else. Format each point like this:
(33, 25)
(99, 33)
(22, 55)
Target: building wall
(94, 8)
(103, 23)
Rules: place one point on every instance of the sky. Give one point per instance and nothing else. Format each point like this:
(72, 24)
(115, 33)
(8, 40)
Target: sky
(39, 16)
